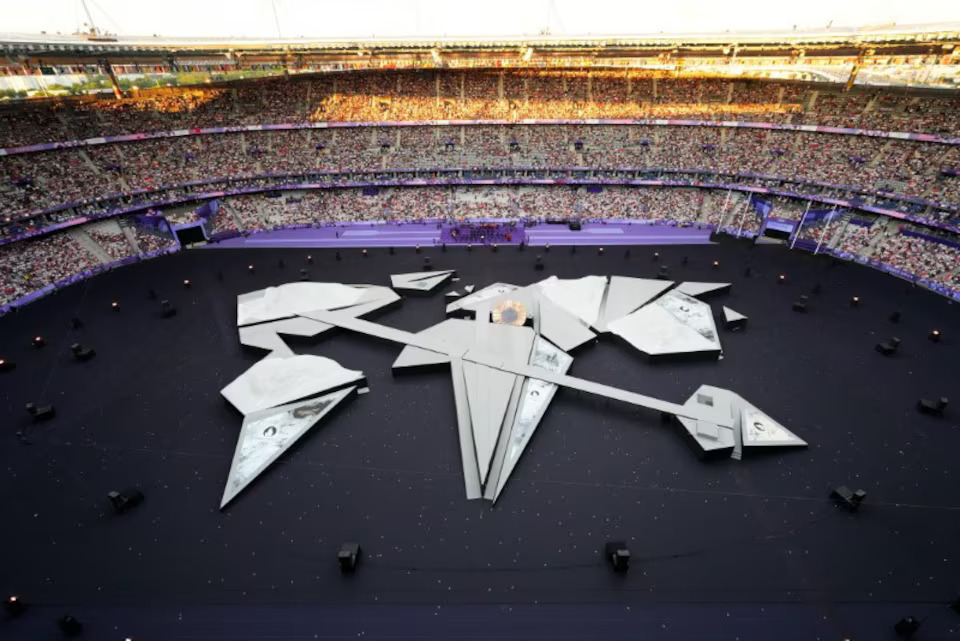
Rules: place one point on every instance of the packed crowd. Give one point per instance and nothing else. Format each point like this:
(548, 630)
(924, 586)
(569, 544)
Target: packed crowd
(478, 94)
(34, 182)
(919, 256)
(30, 265)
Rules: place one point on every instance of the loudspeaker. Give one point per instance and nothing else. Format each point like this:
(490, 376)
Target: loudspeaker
(906, 627)
(618, 555)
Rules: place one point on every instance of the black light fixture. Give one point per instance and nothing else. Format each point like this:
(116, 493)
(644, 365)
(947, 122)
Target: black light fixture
(70, 626)
(337, 255)
(546, 247)
(934, 336)
(250, 268)
(906, 627)
(364, 253)
(895, 317)
(417, 249)
(281, 264)
(716, 264)
(115, 306)
(493, 247)
(309, 259)
(167, 310)
(855, 301)
(781, 279)
(38, 342)
(847, 498)
(186, 283)
(348, 556)
(656, 256)
(618, 555)
(14, 606)
(469, 247)
(6, 365)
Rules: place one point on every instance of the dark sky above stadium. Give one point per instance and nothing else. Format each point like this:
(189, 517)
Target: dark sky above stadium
(391, 18)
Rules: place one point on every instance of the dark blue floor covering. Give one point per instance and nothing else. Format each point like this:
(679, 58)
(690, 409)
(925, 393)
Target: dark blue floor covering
(723, 549)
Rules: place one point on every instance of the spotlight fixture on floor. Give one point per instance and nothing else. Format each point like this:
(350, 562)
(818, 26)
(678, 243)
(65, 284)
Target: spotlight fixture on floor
(600, 251)
(656, 256)
(126, 500)
(934, 336)
(70, 626)
(115, 306)
(38, 342)
(186, 283)
(76, 323)
(890, 347)
(336, 255)
(538, 263)
(469, 247)
(716, 264)
(417, 249)
(932, 408)
(250, 269)
(82, 353)
(618, 555)
(855, 301)
(304, 275)
(40, 412)
(546, 248)
(167, 310)
(443, 247)
(14, 606)
(847, 498)
(7, 365)
(906, 627)
(391, 251)
(309, 259)
(493, 247)
(895, 317)
(363, 253)
(801, 305)
(348, 556)
(427, 265)
(781, 279)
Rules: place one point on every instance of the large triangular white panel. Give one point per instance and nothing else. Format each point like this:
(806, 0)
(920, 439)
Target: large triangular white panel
(274, 381)
(759, 430)
(413, 357)
(267, 434)
(700, 289)
(730, 315)
(579, 296)
(625, 295)
(420, 281)
(534, 400)
(488, 392)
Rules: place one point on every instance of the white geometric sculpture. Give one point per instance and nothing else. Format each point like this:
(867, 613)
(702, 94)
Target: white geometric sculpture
(421, 281)
(267, 434)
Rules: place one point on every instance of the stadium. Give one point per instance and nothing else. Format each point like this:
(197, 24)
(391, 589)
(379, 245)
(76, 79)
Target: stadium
(500, 336)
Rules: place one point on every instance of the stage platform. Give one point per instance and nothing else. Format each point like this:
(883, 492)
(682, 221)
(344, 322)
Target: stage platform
(721, 549)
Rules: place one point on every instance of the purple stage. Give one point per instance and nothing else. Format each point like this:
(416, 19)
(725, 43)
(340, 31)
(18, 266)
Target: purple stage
(427, 234)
